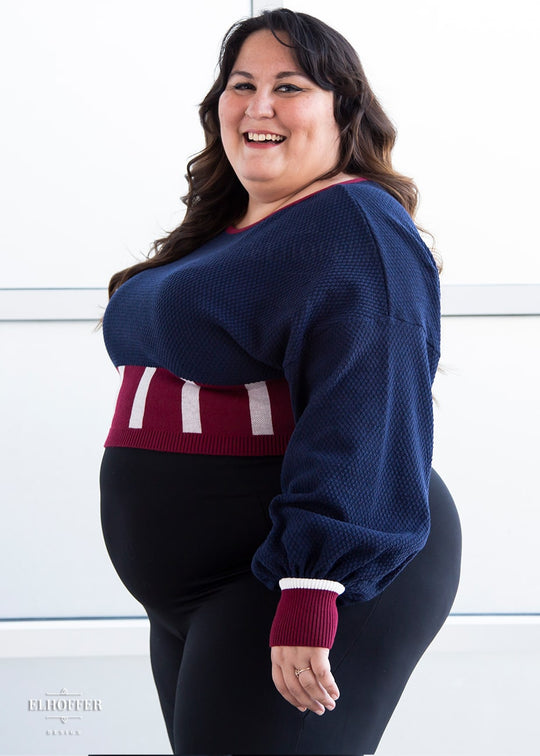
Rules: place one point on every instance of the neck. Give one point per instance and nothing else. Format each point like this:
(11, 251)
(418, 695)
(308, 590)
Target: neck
(260, 207)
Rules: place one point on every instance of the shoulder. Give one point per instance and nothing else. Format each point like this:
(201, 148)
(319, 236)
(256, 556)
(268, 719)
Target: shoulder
(357, 200)
(369, 206)
(409, 269)
(356, 217)
(349, 249)
(363, 225)
(368, 244)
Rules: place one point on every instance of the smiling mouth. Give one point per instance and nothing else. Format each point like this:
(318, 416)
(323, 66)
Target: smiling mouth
(252, 136)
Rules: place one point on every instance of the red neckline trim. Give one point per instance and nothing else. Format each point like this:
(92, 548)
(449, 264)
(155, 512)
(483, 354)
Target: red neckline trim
(234, 230)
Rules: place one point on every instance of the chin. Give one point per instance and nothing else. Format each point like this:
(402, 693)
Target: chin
(257, 178)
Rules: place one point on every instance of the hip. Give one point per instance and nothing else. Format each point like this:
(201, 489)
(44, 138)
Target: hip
(180, 526)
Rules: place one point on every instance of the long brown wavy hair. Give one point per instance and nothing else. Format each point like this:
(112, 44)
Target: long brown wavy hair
(216, 198)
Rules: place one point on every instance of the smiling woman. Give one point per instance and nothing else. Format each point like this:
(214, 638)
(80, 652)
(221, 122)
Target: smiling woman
(277, 126)
(267, 476)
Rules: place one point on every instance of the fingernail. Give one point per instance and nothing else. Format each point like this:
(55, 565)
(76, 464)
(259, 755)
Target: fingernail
(320, 713)
(334, 696)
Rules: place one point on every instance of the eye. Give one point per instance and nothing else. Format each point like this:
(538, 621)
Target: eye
(243, 85)
(288, 88)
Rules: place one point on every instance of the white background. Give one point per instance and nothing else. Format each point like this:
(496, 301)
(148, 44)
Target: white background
(99, 103)
(99, 117)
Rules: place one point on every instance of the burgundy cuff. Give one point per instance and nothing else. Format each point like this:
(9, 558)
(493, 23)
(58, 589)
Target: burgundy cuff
(305, 617)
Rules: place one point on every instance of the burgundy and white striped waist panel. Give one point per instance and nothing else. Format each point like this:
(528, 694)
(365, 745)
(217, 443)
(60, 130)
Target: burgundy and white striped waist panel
(157, 410)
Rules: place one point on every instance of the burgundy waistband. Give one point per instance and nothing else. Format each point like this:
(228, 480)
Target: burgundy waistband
(157, 410)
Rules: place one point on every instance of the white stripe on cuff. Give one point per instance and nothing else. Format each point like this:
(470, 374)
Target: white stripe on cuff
(312, 583)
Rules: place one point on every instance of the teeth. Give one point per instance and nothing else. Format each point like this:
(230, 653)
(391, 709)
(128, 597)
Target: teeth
(253, 137)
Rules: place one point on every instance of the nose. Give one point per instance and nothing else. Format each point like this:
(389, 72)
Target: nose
(261, 105)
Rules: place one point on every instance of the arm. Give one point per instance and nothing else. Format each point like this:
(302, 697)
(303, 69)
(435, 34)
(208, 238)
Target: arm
(353, 509)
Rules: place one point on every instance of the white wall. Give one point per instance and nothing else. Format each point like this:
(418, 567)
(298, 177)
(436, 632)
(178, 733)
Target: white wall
(99, 102)
(99, 119)
(459, 80)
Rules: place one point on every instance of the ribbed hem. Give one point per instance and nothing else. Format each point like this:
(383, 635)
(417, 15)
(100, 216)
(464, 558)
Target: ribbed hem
(197, 443)
(305, 617)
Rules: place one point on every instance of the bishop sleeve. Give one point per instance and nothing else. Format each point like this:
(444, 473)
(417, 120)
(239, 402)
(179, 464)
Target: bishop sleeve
(353, 509)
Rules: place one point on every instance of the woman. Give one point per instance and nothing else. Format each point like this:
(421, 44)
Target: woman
(269, 462)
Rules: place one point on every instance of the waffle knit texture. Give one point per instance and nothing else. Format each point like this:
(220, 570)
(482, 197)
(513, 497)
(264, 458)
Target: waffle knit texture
(338, 296)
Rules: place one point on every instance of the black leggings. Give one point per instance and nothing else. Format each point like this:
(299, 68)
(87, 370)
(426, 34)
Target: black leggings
(181, 530)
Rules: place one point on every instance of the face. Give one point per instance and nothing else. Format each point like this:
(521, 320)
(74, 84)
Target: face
(277, 127)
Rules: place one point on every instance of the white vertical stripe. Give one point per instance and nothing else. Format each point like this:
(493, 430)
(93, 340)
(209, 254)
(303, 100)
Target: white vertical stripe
(259, 408)
(191, 411)
(139, 401)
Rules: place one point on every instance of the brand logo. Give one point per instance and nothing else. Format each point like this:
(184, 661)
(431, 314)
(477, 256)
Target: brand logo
(64, 707)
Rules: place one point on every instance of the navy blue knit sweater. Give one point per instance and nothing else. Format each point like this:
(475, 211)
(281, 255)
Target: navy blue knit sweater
(336, 298)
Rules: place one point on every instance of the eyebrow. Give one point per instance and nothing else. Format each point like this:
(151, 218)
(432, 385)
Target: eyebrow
(281, 75)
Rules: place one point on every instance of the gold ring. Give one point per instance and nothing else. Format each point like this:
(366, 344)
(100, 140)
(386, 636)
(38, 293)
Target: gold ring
(298, 672)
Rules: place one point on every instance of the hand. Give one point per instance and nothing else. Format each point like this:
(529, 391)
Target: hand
(315, 688)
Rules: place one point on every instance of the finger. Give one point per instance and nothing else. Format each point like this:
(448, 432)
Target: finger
(300, 692)
(325, 678)
(279, 682)
(317, 692)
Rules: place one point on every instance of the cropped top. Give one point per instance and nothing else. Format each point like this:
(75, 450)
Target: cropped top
(313, 333)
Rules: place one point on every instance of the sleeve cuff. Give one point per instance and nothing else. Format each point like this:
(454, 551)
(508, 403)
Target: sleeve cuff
(306, 614)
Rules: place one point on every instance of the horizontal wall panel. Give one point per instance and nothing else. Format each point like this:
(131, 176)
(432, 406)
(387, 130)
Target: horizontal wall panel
(486, 299)
(52, 304)
(23, 639)
(89, 304)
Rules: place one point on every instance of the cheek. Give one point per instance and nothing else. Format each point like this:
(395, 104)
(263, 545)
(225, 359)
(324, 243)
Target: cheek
(318, 123)
(221, 113)
(224, 114)
(229, 111)
(328, 124)
(329, 133)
